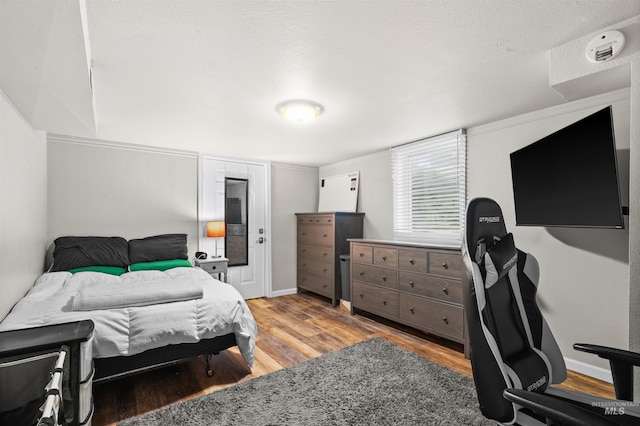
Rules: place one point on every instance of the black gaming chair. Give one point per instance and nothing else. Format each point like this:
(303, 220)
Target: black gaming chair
(514, 357)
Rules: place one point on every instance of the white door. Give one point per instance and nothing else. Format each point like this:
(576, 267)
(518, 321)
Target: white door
(251, 280)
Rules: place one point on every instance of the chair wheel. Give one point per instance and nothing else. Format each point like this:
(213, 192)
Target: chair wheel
(210, 372)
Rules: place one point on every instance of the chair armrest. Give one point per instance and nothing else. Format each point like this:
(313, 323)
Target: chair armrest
(621, 362)
(605, 352)
(556, 410)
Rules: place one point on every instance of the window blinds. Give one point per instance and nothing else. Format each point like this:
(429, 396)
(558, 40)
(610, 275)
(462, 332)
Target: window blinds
(429, 190)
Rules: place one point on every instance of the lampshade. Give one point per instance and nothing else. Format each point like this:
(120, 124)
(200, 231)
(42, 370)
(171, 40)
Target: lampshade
(216, 229)
(299, 110)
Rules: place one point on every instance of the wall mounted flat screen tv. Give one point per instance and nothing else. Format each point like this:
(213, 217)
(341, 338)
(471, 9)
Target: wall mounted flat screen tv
(570, 178)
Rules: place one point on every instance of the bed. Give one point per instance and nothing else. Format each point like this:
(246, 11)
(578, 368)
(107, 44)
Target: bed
(150, 307)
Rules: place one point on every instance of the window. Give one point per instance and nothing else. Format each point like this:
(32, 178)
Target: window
(429, 190)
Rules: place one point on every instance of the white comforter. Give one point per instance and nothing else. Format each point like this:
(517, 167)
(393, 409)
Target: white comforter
(134, 329)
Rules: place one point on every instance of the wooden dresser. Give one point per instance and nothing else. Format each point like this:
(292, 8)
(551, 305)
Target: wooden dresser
(414, 285)
(322, 238)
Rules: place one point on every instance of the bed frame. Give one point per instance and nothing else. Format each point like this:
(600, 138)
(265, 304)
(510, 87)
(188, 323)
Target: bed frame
(121, 366)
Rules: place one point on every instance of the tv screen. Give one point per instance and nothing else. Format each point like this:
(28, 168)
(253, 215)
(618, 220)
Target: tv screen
(570, 177)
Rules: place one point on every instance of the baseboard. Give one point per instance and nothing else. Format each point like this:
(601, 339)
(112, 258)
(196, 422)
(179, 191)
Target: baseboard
(589, 370)
(345, 304)
(286, 292)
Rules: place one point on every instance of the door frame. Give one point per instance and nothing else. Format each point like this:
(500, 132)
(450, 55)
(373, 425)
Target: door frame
(267, 289)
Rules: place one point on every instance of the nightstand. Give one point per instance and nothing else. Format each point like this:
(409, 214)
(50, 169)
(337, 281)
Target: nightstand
(215, 265)
(59, 355)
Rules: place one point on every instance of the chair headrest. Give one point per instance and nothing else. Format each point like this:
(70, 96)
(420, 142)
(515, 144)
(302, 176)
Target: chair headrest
(485, 225)
(499, 259)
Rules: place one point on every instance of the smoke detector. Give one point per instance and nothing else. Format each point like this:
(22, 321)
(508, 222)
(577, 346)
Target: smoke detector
(605, 46)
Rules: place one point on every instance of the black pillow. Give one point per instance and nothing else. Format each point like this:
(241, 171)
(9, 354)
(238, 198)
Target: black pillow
(158, 247)
(79, 252)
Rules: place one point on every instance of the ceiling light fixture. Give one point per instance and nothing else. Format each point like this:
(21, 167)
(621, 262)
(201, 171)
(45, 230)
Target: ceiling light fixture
(299, 110)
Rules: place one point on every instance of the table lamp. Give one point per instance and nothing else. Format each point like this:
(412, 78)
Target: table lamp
(216, 229)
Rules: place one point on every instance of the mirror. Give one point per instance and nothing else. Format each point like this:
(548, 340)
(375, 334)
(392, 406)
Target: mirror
(236, 240)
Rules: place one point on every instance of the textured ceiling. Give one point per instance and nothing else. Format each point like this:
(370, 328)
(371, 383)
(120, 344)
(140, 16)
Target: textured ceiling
(206, 75)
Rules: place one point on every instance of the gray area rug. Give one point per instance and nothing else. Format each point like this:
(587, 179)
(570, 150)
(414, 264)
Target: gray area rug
(370, 383)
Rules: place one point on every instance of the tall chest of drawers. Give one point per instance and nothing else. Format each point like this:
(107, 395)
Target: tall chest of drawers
(415, 285)
(322, 238)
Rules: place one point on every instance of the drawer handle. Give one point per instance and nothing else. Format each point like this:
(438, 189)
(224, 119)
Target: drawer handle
(411, 310)
(446, 321)
(324, 254)
(361, 274)
(304, 265)
(411, 261)
(310, 220)
(324, 285)
(304, 250)
(304, 233)
(384, 278)
(324, 270)
(328, 220)
(361, 254)
(361, 296)
(317, 220)
(384, 302)
(384, 258)
(444, 265)
(324, 235)
(411, 283)
(445, 290)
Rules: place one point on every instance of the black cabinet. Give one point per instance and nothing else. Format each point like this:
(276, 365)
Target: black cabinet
(50, 367)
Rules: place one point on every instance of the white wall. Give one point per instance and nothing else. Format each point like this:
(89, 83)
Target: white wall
(107, 189)
(294, 189)
(572, 77)
(584, 273)
(23, 204)
(374, 195)
(99, 188)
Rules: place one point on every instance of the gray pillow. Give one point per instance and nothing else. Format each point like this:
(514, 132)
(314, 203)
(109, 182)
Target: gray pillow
(80, 252)
(158, 247)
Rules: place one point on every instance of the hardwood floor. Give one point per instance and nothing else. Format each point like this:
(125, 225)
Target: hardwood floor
(292, 329)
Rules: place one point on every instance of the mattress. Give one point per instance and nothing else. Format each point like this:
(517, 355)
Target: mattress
(129, 330)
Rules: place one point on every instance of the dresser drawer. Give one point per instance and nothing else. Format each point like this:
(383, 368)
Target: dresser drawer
(375, 275)
(374, 299)
(317, 252)
(383, 256)
(315, 234)
(316, 219)
(361, 254)
(317, 267)
(430, 286)
(412, 260)
(446, 264)
(315, 283)
(442, 318)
